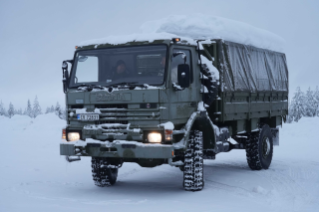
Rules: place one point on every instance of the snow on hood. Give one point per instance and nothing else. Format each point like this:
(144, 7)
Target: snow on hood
(145, 37)
(200, 26)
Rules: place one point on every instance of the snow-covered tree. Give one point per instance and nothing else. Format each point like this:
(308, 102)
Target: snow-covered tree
(2, 110)
(18, 112)
(57, 107)
(316, 101)
(310, 107)
(28, 111)
(297, 105)
(289, 117)
(36, 110)
(50, 110)
(64, 115)
(58, 110)
(11, 110)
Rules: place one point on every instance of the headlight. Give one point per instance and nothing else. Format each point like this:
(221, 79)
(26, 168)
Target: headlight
(154, 137)
(73, 136)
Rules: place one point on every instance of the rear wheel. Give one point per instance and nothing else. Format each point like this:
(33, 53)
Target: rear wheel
(193, 163)
(104, 174)
(259, 149)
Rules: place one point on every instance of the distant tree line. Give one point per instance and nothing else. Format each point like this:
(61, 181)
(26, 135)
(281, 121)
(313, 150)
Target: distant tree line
(303, 105)
(31, 110)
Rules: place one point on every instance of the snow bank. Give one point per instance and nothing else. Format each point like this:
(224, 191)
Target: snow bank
(23, 123)
(199, 26)
(20, 123)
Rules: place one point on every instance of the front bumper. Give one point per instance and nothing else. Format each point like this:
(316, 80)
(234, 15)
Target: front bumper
(118, 149)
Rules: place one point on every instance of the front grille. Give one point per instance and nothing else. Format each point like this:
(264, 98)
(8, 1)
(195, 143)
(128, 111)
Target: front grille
(112, 106)
(113, 112)
(121, 114)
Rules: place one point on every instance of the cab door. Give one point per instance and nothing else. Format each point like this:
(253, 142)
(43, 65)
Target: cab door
(183, 102)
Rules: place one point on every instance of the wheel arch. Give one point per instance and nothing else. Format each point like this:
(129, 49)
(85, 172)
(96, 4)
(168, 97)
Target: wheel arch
(200, 121)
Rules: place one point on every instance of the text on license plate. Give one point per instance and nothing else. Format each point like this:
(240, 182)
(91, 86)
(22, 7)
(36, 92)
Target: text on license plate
(88, 117)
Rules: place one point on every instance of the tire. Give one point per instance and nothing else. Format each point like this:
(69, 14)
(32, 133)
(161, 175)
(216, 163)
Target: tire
(102, 174)
(193, 179)
(259, 149)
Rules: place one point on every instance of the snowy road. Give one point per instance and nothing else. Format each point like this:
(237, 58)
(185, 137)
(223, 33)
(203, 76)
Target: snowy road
(34, 177)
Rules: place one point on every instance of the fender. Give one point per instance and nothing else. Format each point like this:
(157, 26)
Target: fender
(199, 120)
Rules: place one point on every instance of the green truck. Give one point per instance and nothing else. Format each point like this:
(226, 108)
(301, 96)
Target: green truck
(172, 101)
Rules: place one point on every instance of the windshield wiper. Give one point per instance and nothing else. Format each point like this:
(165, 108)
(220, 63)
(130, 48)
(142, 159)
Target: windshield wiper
(131, 85)
(123, 83)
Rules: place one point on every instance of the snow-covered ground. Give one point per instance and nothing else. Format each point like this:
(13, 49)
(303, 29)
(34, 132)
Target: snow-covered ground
(34, 177)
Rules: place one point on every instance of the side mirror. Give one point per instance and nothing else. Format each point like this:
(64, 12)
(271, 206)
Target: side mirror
(65, 74)
(65, 80)
(183, 75)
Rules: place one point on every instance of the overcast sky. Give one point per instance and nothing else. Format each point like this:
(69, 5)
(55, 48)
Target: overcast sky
(35, 36)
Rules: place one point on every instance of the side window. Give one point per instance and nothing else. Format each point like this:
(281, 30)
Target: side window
(180, 56)
(87, 69)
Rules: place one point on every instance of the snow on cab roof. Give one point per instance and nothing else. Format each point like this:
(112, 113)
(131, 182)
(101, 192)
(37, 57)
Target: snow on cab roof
(144, 37)
(199, 26)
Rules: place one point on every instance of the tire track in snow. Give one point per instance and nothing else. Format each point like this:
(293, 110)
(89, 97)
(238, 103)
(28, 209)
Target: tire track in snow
(288, 192)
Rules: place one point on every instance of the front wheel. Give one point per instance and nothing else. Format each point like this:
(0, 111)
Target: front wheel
(259, 149)
(104, 174)
(193, 163)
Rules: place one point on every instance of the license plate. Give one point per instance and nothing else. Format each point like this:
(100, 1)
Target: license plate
(88, 117)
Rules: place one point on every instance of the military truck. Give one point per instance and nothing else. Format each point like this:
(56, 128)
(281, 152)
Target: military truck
(173, 101)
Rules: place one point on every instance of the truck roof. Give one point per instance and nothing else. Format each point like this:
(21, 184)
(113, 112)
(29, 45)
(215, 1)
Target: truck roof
(145, 38)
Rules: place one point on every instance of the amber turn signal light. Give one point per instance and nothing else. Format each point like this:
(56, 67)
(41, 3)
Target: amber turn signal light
(63, 134)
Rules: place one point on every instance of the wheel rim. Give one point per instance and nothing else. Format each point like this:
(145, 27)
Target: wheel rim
(266, 147)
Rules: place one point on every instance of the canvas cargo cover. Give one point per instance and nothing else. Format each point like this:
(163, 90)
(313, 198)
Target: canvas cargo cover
(247, 68)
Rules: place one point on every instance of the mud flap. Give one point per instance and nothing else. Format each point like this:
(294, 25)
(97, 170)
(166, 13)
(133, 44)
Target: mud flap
(275, 136)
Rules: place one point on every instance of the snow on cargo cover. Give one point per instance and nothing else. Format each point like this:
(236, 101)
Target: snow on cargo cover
(200, 26)
(197, 26)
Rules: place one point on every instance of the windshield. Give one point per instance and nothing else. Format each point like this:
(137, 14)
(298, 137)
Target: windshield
(123, 65)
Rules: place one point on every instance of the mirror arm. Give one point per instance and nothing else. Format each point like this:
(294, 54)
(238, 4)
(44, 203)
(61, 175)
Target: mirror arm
(181, 53)
(69, 61)
(177, 87)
